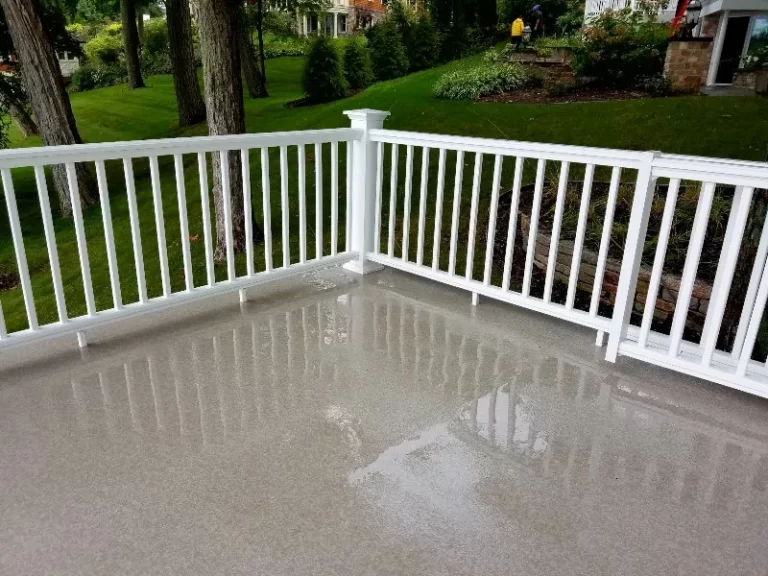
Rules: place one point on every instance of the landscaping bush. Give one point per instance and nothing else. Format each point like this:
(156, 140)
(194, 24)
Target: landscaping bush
(387, 51)
(155, 38)
(285, 47)
(620, 48)
(106, 48)
(323, 74)
(425, 44)
(90, 76)
(357, 65)
(480, 80)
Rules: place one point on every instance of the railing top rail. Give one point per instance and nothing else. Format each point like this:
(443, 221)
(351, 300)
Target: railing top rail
(579, 154)
(42, 156)
(718, 170)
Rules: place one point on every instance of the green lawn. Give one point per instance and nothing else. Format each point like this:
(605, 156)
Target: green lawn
(726, 127)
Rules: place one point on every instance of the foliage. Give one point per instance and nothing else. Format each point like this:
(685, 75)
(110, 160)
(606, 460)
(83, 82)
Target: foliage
(572, 19)
(106, 48)
(98, 10)
(357, 65)
(90, 76)
(551, 9)
(620, 48)
(424, 44)
(323, 74)
(655, 85)
(480, 80)
(756, 58)
(387, 51)
(155, 38)
(285, 47)
(281, 24)
(55, 28)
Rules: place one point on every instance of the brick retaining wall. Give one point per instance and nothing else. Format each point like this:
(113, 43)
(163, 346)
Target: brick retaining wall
(670, 283)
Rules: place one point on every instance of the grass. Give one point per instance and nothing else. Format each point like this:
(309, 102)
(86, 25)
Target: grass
(726, 127)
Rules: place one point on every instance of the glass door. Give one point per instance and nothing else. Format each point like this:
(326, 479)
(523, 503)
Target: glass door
(733, 47)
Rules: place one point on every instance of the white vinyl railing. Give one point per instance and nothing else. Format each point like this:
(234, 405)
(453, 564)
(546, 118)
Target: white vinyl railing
(518, 222)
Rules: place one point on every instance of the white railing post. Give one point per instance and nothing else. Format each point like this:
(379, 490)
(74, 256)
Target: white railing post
(633, 254)
(364, 188)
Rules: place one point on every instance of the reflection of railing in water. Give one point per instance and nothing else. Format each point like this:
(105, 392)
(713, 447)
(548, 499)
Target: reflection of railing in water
(210, 388)
(214, 388)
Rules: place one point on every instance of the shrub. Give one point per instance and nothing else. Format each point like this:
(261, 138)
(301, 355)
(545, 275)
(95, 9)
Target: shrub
(106, 48)
(90, 76)
(285, 47)
(357, 65)
(425, 44)
(323, 75)
(479, 80)
(656, 86)
(155, 39)
(619, 48)
(756, 58)
(387, 51)
(279, 23)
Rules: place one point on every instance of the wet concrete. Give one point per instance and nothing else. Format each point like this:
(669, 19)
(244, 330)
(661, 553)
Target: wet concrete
(334, 426)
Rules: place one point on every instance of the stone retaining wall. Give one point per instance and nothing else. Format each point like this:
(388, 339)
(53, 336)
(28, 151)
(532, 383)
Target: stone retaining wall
(687, 63)
(670, 283)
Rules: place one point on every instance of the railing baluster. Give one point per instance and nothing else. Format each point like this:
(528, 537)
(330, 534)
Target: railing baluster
(422, 205)
(752, 287)
(407, 201)
(348, 224)
(533, 226)
(82, 246)
(3, 328)
(726, 266)
(457, 185)
(181, 196)
(700, 221)
(581, 230)
(473, 215)
(658, 261)
(605, 240)
(284, 205)
(18, 246)
(302, 204)
(392, 202)
(318, 201)
(755, 319)
(206, 212)
(50, 240)
(562, 188)
(512, 224)
(159, 224)
(335, 198)
(138, 256)
(492, 220)
(245, 163)
(439, 209)
(267, 207)
(379, 206)
(109, 235)
(226, 194)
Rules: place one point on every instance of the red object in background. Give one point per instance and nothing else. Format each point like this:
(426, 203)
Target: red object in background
(680, 14)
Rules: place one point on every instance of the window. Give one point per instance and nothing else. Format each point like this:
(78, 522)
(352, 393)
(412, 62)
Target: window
(342, 23)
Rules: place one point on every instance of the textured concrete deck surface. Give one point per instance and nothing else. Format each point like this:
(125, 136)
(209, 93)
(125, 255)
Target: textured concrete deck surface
(334, 426)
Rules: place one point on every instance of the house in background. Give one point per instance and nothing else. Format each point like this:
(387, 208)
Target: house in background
(342, 17)
(727, 31)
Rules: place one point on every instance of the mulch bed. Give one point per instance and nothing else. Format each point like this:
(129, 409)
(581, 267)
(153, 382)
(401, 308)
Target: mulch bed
(554, 76)
(542, 96)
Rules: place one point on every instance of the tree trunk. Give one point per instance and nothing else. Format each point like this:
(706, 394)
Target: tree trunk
(224, 106)
(131, 43)
(251, 72)
(262, 59)
(140, 27)
(188, 98)
(22, 118)
(45, 86)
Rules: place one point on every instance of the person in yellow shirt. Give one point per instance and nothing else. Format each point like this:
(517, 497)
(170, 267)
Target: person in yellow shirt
(517, 32)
